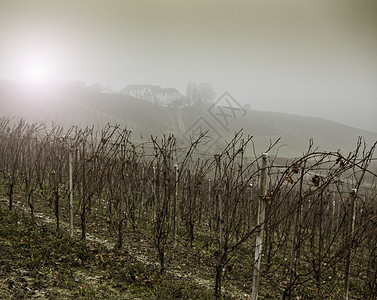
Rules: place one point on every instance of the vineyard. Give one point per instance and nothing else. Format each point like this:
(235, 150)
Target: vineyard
(252, 227)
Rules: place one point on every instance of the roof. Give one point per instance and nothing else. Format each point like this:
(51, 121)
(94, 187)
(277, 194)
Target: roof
(154, 88)
(168, 90)
(132, 87)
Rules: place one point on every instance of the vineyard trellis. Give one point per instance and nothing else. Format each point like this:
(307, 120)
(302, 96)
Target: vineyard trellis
(314, 218)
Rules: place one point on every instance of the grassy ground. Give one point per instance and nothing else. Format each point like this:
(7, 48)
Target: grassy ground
(37, 263)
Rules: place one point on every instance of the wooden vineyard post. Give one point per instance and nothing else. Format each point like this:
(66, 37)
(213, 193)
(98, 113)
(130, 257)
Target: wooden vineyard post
(209, 203)
(70, 194)
(295, 229)
(121, 206)
(219, 266)
(175, 207)
(83, 224)
(349, 243)
(249, 206)
(154, 195)
(260, 224)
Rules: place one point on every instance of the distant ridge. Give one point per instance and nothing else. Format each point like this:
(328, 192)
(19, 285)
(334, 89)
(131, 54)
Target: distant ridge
(80, 107)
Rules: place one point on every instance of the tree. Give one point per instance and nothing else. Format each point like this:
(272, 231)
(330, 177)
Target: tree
(192, 93)
(200, 94)
(206, 92)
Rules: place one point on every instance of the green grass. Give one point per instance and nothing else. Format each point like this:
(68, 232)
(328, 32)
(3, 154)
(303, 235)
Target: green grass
(35, 262)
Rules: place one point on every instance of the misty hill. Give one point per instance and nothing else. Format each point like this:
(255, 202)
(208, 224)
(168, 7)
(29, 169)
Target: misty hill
(74, 105)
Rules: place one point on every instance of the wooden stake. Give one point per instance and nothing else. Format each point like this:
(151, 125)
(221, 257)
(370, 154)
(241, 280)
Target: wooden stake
(350, 241)
(121, 207)
(83, 224)
(260, 224)
(70, 194)
(175, 207)
(295, 229)
(221, 221)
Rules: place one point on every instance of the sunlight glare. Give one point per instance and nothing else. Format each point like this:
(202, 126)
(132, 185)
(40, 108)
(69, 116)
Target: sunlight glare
(38, 73)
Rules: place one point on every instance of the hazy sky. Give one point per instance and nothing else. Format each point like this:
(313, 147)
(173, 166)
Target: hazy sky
(315, 57)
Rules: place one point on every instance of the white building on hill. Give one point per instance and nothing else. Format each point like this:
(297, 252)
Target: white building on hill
(153, 93)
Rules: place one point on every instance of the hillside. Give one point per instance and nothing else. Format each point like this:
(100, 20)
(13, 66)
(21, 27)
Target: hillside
(77, 106)
(38, 263)
(159, 227)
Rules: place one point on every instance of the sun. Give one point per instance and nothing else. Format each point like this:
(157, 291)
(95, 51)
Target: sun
(38, 73)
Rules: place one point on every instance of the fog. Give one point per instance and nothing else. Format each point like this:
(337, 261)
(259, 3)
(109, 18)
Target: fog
(315, 58)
